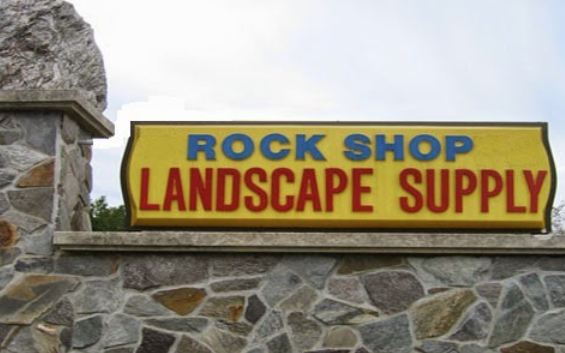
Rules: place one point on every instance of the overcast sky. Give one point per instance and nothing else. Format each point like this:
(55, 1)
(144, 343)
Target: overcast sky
(375, 60)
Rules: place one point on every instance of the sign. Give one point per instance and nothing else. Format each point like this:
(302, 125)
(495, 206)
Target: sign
(364, 176)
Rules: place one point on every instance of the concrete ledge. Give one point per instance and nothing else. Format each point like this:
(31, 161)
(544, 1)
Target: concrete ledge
(406, 243)
(68, 101)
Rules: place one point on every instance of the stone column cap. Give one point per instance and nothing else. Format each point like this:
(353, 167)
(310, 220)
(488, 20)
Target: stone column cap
(71, 102)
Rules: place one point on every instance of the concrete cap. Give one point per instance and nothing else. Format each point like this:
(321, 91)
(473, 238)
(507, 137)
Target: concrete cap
(71, 102)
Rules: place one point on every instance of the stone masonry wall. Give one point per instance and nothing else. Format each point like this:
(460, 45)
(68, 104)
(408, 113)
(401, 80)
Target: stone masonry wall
(192, 303)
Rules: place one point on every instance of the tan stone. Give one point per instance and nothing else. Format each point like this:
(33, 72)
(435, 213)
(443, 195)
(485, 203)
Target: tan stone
(41, 175)
(527, 347)
(436, 316)
(8, 234)
(29, 297)
(182, 300)
(227, 308)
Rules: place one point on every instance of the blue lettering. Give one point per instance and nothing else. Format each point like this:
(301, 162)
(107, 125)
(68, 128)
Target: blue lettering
(357, 145)
(435, 147)
(397, 147)
(248, 146)
(201, 143)
(304, 146)
(266, 146)
(455, 145)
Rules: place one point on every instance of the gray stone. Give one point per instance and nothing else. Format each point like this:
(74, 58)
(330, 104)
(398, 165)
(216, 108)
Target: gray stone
(490, 291)
(437, 347)
(87, 332)
(23, 342)
(358, 263)
(279, 344)
(86, 264)
(190, 345)
(331, 351)
(34, 264)
(301, 300)
(8, 137)
(20, 158)
(475, 348)
(69, 130)
(37, 202)
(509, 266)
(452, 271)
(272, 323)
(388, 336)
(313, 268)
(7, 330)
(255, 309)
(61, 314)
(47, 45)
(242, 265)
(155, 341)
(4, 203)
(144, 271)
(25, 222)
(99, 296)
(475, 325)
(224, 342)
(347, 289)
(122, 330)
(280, 283)
(41, 130)
(40, 242)
(6, 275)
(190, 325)
(8, 255)
(393, 291)
(332, 312)
(119, 350)
(549, 328)
(41, 292)
(305, 332)
(551, 263)
(6, 177)
(340, 337)
(556, 287)
(238, 284)
(535, 291)
(513, 318)
(239, 328)
(140, 305)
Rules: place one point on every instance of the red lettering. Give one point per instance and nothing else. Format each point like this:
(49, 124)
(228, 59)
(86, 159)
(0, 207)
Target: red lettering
(221, 203)
(174, 191)
(486, 192)
(276, 190)
(431, 190)
(358, 189)
(309, 191)
(261, 193)
(460, 189)
(535, 187)
(510, 197)
(404, 183)
(200, 188)
(332, 189)
(144, 204)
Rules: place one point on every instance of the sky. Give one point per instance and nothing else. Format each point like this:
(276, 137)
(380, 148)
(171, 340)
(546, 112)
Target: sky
(334, 60)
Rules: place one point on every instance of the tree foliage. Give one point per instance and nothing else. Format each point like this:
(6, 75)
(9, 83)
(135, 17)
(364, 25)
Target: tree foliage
(107, 218)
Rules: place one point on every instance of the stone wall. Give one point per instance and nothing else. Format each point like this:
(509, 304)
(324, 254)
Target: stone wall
(211, 302)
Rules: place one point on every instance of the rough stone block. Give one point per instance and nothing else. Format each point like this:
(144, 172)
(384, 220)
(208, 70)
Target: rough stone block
(37, 202)
(41, 175)
(181, 300)
(393, 291)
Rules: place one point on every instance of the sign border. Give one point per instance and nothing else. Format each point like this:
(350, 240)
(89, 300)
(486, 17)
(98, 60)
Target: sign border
(544, 137)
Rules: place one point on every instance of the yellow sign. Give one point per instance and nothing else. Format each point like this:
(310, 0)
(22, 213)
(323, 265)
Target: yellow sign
(389, 176)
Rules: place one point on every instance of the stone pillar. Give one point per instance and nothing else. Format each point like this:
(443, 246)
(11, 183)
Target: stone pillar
(45, 182)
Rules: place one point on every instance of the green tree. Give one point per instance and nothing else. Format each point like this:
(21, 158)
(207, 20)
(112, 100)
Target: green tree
(107, 218)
